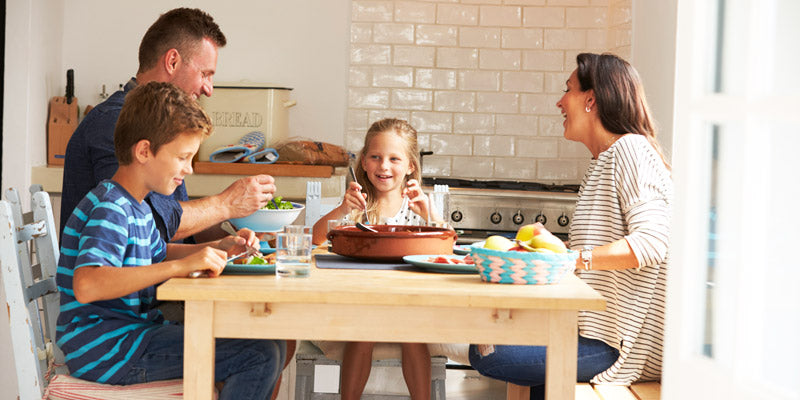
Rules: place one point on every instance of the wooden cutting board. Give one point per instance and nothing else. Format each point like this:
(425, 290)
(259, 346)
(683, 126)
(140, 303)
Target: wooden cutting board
(62, 119)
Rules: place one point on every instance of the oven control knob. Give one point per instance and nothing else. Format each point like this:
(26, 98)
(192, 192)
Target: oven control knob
(563, 220)
(496, 218)
(456, 216)
(518, 218)
(541, 219)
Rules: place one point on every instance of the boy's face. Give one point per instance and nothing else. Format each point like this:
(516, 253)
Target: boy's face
(173, 161)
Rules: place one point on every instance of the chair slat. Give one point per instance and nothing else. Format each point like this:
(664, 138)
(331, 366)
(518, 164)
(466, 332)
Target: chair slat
(40, 289)
(29, 231)
(647, 390)
(614, 392)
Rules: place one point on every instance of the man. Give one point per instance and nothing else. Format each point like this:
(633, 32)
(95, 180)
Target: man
(181, 48)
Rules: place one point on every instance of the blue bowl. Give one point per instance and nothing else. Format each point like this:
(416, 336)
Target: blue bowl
(266, 220)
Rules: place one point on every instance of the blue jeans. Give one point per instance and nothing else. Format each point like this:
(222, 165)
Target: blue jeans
(250, 368)
(525, 365)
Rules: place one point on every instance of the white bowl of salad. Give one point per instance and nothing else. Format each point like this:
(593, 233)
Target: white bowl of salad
(271, 218)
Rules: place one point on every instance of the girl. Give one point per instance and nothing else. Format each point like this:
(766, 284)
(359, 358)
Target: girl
(388, 168)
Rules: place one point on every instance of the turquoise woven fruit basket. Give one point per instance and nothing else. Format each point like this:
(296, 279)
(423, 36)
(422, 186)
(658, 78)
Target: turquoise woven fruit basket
(522, 267)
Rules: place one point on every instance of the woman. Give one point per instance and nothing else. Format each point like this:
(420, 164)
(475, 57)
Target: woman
(620, 227)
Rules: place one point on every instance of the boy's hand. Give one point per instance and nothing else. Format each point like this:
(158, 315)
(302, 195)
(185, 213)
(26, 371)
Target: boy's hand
(206, 259)
(239, 244)
(417, 200)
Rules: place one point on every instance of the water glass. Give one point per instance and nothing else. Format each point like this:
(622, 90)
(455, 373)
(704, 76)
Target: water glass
(293, 251)
(297, 229)
(439, 209)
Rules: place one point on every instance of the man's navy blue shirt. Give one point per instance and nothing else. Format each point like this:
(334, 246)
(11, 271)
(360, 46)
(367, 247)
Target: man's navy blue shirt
(90, 159)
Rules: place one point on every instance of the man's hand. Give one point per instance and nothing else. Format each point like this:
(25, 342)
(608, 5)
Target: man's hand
(247, 195)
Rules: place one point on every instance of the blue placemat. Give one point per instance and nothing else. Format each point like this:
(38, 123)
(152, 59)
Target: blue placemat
(335, 261)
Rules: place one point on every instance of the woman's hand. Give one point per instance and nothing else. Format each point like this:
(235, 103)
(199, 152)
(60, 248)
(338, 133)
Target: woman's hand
(417, 199)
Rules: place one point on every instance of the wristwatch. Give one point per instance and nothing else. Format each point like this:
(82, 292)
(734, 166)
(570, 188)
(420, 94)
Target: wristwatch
(586, 257)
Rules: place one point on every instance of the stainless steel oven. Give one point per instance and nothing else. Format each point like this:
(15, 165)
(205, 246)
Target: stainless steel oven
(478, 209)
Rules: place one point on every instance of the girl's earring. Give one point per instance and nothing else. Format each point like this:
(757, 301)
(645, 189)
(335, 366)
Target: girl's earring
(588, 109)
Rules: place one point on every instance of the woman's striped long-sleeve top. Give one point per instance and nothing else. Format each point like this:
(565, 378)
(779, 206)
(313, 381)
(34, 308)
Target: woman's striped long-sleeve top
(626, 194)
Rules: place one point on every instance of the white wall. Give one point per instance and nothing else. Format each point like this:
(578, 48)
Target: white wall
(653, 55)
(298, 44)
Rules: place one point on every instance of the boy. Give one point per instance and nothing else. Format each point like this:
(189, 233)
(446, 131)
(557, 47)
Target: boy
(112, 257)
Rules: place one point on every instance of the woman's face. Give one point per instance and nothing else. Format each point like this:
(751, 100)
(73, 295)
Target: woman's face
(386, 163)
(573, 109)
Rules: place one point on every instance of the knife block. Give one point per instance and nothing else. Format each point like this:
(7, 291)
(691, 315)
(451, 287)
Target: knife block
(62, 119)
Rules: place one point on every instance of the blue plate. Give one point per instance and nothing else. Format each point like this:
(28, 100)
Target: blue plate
(249, 269)
(421, 261)
(460, 249)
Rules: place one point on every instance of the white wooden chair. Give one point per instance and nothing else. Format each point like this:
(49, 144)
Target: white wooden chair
(33, 304)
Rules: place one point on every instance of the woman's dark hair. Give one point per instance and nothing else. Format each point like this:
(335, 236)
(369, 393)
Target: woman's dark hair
(619, 96)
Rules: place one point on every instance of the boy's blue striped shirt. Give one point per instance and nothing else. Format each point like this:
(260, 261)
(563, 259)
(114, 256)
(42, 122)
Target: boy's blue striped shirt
(108, 228)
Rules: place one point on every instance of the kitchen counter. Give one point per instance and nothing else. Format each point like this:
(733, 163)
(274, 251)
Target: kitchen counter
(201, 185)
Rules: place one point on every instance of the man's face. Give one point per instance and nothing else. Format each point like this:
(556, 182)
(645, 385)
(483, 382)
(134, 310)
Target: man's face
(195, 76)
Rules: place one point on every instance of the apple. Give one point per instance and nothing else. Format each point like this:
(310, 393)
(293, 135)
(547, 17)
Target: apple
(527, 232)
(547, 241)
(497, 242)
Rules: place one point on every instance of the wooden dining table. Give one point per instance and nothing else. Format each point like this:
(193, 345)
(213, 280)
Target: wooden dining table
(383, 306)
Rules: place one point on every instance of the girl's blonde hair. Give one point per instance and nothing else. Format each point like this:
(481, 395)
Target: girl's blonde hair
(404, 131)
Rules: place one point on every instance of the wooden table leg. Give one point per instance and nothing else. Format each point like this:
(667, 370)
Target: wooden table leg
(516, 392)
(198, 351)
(562, 356)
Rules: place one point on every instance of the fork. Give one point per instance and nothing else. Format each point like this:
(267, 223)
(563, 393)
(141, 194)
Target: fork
(353, 175)
(313, 198)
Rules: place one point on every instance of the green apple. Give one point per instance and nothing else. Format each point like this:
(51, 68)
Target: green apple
(527, 232)
(548, 241)
(497, 242)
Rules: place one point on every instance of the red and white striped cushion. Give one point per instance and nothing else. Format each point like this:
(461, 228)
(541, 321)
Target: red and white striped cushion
(65, 387)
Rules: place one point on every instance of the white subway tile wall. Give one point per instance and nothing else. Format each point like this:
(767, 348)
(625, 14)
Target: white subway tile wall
(479, 79)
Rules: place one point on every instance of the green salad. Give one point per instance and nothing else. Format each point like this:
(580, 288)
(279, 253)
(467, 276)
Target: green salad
(277, 203)
(256, 260)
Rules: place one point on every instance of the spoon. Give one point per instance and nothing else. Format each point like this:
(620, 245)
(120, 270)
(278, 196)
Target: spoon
(353, 175)
(363, 227)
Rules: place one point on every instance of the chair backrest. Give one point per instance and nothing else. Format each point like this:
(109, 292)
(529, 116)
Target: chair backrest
(28, 256)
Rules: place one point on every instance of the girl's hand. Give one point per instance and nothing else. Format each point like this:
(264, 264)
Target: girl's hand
(354, 199)
(417, 200)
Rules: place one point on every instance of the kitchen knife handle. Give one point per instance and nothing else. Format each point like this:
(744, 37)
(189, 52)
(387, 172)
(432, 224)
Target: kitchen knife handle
(70, 85)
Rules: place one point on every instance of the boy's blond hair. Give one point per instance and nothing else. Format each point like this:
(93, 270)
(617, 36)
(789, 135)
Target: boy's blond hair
(157, 112)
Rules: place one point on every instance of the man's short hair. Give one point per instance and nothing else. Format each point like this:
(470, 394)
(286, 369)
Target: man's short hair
(157, 112)
(182, 29)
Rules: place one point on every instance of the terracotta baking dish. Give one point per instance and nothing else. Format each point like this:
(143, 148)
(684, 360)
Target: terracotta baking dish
(391, 242)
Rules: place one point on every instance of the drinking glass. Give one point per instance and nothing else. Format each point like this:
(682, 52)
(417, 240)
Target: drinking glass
(297, 229)
(293, 251)
(439, 209)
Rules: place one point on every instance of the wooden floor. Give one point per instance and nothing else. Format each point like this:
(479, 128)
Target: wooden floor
(637, 391)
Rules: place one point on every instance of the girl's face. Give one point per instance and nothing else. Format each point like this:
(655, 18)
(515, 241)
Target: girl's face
(386, 162)
(573, 109)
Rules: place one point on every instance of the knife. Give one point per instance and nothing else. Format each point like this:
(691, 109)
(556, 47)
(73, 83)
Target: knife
(70, 85)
